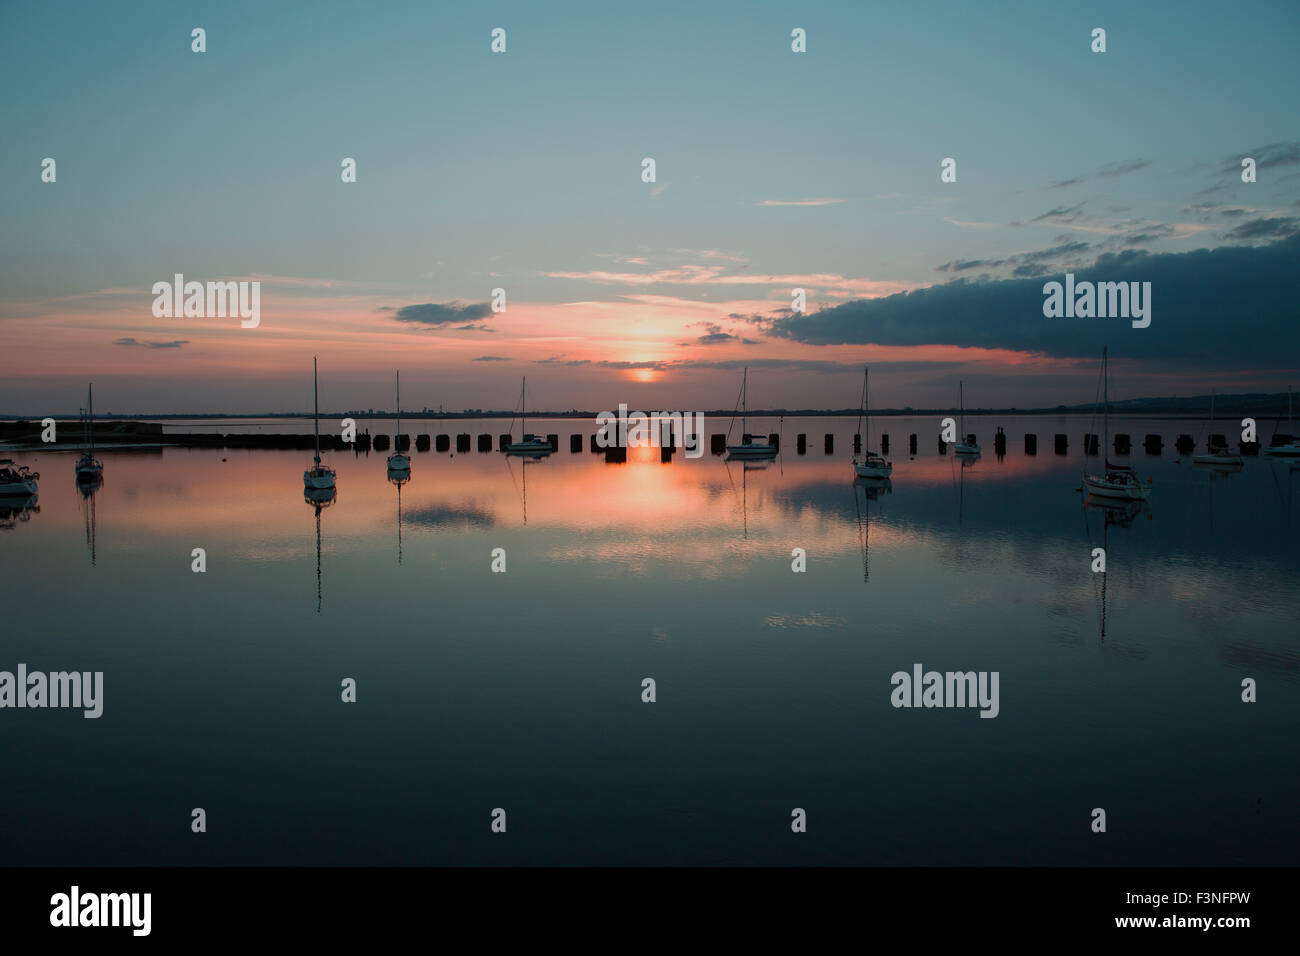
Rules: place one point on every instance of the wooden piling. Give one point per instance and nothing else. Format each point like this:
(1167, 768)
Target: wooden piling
(830, 444)
(1153, 444)
(554, 442)
(801, 444)
(1061, 444)
(462, 442)
(718, 444)
(1031, 443)
(442, 442)
(575, 444)
(380, 442)
(1122, 444)
(484, 442)
(421, 442)
(911, 444)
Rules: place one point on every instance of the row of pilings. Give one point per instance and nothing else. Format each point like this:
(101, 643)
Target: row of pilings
(147, 433)
(1121, 443)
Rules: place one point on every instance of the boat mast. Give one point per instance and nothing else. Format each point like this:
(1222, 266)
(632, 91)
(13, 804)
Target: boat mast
(1105, 392)
(315, 393)
(961, 410)
(862, 403)
(523, 408)
(744, 407)
(90, 401)
(397, 439)
(866, 407)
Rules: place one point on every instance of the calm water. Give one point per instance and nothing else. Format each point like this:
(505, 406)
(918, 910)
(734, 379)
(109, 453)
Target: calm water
(522, 690)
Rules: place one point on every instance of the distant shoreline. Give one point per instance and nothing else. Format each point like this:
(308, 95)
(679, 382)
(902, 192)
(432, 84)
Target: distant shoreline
(1255, 405)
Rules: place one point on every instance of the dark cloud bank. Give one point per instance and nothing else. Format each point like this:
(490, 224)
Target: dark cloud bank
(1233, 305)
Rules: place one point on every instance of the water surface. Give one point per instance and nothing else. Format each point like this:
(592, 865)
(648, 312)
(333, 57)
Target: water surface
(522, 690)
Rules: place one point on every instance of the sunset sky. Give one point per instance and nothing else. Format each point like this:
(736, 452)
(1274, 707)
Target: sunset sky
(522, 171)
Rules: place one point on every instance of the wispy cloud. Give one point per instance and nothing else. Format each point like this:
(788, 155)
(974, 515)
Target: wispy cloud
(490, 358)
(968, 224)
(1110, 170)
(708, 275)
(1273, 154)
(1278, 227)
(173, 344)
(801, 202)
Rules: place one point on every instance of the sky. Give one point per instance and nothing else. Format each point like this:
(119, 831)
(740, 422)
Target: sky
(522, 170)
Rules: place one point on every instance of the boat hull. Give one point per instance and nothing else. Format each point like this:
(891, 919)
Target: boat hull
(961, 448)
(1219, 461)
(399, 463)
(18, 488)
(1284, 451)
(530, 449)
(1123, 491)
(751, 451)
(317, 482)
(863, 470)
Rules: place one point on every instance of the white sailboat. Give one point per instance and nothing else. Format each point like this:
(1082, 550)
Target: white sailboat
(748, 448)
(965, 444)
(1292, 448)
(397, 462)
(531, 446)
(319, 477)
(17, 480)
(1118, 481)
(873, 464)
(88, 466)
(1220, 457)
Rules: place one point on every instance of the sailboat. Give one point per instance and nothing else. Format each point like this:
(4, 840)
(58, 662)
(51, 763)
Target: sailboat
(17, 480)
(533, 446)
(88, 466)
(1215, 455)
(397, 462)
(1118, 481)
(873, 465)
(1292, 448)
(748, 447)
(965, 444)
(318, 477)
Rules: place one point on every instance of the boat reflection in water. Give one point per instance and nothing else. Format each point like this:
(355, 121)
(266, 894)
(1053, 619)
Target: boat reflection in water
(399, 476)
(1115, 512)
(14, 509)
(319, 499)
(88, 486)
(865, 491)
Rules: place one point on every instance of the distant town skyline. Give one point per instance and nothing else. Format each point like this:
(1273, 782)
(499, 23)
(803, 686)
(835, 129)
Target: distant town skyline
(523, 171)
